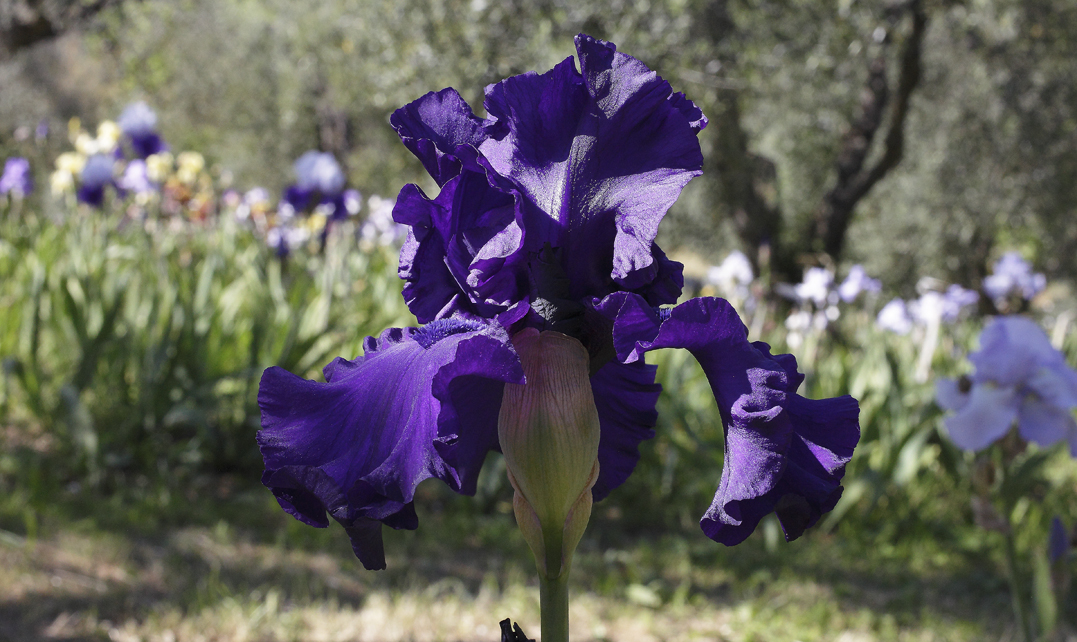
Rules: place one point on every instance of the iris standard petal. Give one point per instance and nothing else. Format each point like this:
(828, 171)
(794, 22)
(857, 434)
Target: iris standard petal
(465, 251)
(603, 154)
(625, 395)
(1011, 349)
(357, 445)
(783, 453)
(985, 417)
(433, 126)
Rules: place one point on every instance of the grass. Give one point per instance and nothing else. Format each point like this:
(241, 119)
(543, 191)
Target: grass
(232, 566)
(130, 509)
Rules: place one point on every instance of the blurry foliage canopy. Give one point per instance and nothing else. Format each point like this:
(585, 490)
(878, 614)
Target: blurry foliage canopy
(989, 154)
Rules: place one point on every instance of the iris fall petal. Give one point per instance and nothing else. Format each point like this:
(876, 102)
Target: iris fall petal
(357, 445)
(783, 452)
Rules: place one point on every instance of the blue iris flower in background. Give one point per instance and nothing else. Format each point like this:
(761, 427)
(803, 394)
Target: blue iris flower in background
(97, 174)
(138, 122)
(545, 220)
(319, 181)
(1011, 275)
(856, 283)
(1020, 378)
(17, 178)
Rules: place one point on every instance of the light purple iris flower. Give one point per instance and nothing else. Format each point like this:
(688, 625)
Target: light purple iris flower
(379, 226)
(97, 174)
(1013, 275)
(935, 307)
(17, 179)
(1019, 378)
(815, 286)
(136, 178)
(733, 276)
(857, 282)
(139, 123)
(546, 219)
(319, 181)
(894, 317)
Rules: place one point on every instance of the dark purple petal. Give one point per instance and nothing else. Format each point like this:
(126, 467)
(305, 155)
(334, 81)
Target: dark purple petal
(145, 145)
(465, 249)
(783, 453)
(92, 195)
(603, 155)
(297, 197)
(358, 445)
(587, 163)
(433, 126)
(625, 395)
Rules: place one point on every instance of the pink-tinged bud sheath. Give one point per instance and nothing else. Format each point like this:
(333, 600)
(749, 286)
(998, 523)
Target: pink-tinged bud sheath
(549, 431)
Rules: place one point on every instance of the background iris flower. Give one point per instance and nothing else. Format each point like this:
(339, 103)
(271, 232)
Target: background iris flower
(97, 174)
(546, 219)
(1019, 378)
(856, 283)
(138, 122)
(1012, 274)
(17, 179)
(319, 181)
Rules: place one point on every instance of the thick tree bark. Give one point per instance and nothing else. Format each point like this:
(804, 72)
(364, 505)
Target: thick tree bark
(744, 178)
(24, 23)
(855, 180)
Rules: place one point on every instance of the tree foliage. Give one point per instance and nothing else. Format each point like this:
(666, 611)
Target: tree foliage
(918, 136)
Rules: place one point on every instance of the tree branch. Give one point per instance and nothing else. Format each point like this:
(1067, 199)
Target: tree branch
(854, 180)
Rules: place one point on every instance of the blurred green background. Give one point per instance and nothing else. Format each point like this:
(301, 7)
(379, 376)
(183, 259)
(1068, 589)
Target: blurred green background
(129, 499)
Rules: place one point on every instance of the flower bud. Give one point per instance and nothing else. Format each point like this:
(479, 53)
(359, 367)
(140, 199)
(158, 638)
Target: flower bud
(549, 431)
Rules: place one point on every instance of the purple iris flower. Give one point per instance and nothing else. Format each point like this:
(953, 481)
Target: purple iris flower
(856, 282)
(319, 181)
(136, 178)
(894, 317)
(1019, 378)
(97, 174)
(1012, 274)
(935, 307)
(139, 123)
(17, 178)
(283, 238)
(816, 286)
(546, 219)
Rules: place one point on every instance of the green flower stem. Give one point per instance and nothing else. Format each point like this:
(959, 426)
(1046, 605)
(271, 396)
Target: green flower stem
(1020, 608)
(553, 596)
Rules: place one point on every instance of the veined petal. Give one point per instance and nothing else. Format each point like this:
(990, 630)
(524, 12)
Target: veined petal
(985, 417)
(783, 453)
(603, 154)
(465, 250)
(625, 395)
(433, 126)
(357, 445)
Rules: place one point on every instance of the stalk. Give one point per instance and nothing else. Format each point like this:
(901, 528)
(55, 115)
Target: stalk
(1020, 608)
(553, 600)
